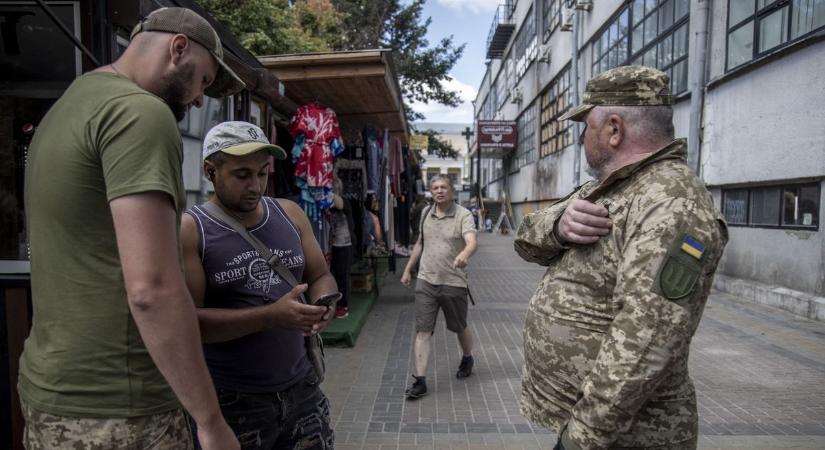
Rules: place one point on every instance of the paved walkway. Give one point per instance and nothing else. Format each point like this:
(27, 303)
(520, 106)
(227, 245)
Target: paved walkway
(759, 372)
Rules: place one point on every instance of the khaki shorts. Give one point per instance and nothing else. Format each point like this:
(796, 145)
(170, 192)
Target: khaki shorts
(164, 431)
(429, 298)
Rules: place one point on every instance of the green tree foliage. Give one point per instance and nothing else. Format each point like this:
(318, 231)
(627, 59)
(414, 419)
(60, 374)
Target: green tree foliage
(270, 27)
(437, 146)
(389, 24)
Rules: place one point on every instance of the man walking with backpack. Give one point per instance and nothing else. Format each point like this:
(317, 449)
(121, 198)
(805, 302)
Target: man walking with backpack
(444, 247)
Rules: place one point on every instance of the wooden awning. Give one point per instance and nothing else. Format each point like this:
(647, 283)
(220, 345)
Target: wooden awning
(360, 86)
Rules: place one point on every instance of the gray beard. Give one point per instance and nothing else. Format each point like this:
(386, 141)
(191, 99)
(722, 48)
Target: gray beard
(594, 173)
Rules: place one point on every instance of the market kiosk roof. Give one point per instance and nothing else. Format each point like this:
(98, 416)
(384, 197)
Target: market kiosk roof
(360, 86)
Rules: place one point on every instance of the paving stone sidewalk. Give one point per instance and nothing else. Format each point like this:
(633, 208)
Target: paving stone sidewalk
(759, 372)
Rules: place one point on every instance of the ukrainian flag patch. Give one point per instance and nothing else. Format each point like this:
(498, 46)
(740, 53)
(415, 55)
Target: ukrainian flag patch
(692, 247)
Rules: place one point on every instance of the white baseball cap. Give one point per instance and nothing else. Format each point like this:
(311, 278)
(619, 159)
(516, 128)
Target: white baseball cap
(238, 139)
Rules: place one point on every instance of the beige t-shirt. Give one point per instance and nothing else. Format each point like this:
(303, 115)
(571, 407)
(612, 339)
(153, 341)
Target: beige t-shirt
(443, 240)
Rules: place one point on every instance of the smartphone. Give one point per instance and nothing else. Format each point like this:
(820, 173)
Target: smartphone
(328, 299)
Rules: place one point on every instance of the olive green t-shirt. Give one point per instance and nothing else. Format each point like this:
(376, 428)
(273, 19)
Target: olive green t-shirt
(103, 139)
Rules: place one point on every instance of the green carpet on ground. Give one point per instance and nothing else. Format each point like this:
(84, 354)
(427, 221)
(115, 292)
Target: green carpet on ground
(344, 332)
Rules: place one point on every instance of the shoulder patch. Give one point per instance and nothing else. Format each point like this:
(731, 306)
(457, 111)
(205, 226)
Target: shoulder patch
(680, 269)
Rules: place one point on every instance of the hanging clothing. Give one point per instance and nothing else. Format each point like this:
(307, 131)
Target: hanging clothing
(374, 155)
(395, 162)
(353, 176)
(317, 141)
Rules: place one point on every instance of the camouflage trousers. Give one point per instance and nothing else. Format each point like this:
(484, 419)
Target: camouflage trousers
(165, 431)
(687, 445)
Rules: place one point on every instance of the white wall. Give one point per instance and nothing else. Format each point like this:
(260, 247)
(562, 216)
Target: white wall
(790, 258)
(768, 124)
(763, 126)
(765, 123)
(192, 163)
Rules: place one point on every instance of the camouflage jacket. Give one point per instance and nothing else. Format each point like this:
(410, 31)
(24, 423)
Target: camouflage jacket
(608, 329)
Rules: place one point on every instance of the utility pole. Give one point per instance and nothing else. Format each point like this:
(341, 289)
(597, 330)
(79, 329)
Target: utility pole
(468, 133)
(574, 68)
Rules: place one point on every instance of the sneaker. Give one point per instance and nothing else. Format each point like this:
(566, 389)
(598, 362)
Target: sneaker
(465, 369)
(418, 388)
(341, 312)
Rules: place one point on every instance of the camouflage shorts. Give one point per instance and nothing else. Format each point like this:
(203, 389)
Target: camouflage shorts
(165, 431)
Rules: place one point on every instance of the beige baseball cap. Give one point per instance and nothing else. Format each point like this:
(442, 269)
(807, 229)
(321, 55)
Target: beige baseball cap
(187, 22)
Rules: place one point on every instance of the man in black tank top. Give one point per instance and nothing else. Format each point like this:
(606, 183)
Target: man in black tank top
(252, 322)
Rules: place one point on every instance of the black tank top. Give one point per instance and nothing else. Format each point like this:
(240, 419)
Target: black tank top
(237, 277)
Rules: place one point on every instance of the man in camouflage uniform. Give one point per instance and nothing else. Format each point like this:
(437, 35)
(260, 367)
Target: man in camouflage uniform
(631, 257)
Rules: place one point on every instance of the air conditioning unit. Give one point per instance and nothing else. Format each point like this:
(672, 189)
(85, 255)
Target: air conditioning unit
(516, 96)
(567, 23)
(584, 5)
(544, 53)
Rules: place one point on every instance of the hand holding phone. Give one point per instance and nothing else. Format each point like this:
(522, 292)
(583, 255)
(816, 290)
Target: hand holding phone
(328, 299)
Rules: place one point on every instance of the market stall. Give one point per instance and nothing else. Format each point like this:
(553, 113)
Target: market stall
(353, 100)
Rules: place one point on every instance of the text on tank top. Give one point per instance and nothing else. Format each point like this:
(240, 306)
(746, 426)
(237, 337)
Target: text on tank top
(237, 277)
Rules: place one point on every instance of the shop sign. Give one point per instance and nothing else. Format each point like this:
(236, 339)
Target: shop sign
(419, 142)
(496, 134)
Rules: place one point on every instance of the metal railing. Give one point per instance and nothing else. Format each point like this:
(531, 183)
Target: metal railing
(503, 17)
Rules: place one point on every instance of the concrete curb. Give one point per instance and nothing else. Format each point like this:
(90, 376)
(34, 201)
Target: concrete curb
(796, 302)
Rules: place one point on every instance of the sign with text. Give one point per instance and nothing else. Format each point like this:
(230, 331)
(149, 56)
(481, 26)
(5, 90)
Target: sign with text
(497, 134)
(420, 141)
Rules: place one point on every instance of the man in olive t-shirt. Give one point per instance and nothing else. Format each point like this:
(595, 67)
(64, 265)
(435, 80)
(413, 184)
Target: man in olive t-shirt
(114, 338)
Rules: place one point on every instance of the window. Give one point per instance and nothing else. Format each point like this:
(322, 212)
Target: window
(510, 71)
(784, 206)
(736, 206)
(765, 206)
(800, 206)
(611, 48)
(486, 110)
(501, 90)
(455, 177)
(431, 172)
(759, 26)
(555, 101)
(525, 45)
(496, 169)
(648, 32)
(526, 150)
(492, 97)
(552, 18)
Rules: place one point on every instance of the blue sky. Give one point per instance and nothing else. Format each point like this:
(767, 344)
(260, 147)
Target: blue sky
(468, 21)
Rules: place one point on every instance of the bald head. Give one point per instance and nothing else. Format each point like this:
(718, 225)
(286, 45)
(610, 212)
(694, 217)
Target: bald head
(172, 66)
(148, 41)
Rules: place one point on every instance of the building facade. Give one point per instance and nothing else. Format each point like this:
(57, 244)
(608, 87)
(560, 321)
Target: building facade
(746, 78)
(457, 169)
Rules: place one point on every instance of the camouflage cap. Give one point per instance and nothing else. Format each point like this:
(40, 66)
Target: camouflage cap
(624, 86)
(187, 22)
(238, 139)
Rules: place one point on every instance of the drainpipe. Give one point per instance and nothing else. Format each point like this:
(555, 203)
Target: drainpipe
(699, 20)
(574, 67)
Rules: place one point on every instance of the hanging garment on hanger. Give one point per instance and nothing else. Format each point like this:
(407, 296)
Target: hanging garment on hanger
(317, 141)
(353, 176)
(395, 161)
(373, 146)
